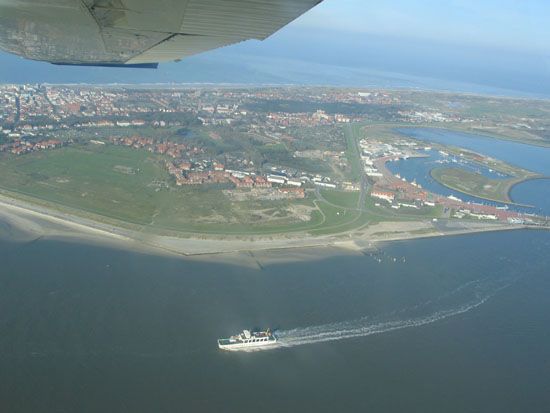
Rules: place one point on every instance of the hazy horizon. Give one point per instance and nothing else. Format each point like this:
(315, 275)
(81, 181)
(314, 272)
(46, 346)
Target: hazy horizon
(461, 46)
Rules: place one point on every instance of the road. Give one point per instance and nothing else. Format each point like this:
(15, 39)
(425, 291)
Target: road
(365, 186)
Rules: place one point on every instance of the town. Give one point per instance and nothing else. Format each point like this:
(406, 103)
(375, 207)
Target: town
(261, 144)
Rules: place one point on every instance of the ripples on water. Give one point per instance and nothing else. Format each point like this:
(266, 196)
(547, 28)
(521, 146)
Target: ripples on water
(461, 300)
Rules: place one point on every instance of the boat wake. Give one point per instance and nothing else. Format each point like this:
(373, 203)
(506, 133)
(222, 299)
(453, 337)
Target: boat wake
(459, 301)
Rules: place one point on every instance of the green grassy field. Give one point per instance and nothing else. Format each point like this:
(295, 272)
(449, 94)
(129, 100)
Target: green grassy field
(341, 198)
(115, 183)
(353, 133)
(475, 184)
(108, 180)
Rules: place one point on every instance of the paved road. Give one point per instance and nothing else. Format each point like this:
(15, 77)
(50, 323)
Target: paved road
(364, 180)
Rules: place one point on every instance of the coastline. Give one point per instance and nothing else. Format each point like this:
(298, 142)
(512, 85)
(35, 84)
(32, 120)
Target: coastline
(473, 131)
(508, 187)
(519, 180)
(32, 222)
(526, 180)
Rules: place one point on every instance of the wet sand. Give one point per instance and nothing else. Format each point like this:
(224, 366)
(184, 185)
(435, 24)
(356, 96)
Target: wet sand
(26, 222)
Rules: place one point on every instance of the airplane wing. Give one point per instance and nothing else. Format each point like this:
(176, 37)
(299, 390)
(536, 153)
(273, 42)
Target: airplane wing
(136, 32)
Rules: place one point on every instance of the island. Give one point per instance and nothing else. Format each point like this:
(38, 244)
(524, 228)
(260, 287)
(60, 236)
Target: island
(206, 169)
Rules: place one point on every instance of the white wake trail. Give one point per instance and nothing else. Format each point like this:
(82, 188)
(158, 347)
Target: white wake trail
(477, 293)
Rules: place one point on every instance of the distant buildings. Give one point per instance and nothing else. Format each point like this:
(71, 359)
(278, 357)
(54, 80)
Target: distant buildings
(384, 195)
(19, 146)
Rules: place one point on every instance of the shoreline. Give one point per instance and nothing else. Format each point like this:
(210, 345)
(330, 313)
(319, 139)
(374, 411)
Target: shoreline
(37, 222)
(509, 187)
(482, 133)
(534, 178)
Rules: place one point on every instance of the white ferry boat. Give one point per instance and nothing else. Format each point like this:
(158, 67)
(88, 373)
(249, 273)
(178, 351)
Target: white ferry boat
(248, 340)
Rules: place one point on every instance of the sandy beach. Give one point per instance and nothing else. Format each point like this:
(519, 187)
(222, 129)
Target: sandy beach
(26, 222)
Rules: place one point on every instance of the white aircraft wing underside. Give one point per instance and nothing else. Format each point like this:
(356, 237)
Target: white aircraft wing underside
(123, 32)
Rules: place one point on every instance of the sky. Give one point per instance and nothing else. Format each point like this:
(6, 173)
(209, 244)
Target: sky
(518, 25)
(485, 46)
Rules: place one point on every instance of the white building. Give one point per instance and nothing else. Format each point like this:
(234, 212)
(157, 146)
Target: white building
(294, 183)
(325, 185)
(276, 179)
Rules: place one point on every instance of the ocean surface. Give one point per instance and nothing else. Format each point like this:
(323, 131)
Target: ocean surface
(535, 192)
(453, 324)
(533, 158)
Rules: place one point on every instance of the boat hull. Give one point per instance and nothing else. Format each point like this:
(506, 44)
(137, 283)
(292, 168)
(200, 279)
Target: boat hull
(248, 346)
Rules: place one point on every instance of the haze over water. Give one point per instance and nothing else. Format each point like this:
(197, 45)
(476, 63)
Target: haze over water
(88, 328)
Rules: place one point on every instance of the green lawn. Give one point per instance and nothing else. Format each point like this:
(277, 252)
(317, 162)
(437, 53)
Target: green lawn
(341, 198)
(108, 180)
(475, 184)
